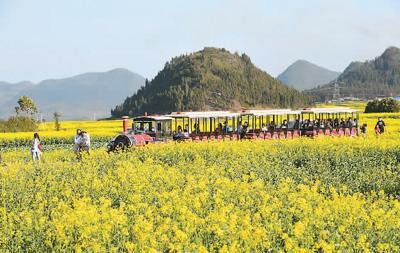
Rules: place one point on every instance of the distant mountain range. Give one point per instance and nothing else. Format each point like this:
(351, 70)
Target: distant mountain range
(85, 96)
(370, 79)
(9, 90)
(304, 75)
(210, 79)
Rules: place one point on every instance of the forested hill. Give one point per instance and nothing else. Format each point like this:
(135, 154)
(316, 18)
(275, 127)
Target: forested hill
(210, 79)
(378, 77)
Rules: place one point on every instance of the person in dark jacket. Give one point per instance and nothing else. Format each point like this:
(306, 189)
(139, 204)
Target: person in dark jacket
(245, 129)
(363, 129)
(380, 125)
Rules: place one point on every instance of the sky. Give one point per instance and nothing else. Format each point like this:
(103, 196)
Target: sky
(42, 39)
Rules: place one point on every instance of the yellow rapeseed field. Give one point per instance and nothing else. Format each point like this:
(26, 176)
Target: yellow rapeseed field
(100, 131)
(303, 195)
(326, 194)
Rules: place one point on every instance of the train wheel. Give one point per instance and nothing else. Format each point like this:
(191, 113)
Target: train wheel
(122, 143)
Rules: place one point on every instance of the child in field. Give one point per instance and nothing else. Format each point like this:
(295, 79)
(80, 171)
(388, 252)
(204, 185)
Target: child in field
(363, 129)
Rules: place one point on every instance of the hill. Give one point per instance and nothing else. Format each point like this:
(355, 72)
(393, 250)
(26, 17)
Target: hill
(306, 75)
(79, 97)
(209, 79)
(10, 90)
(370, 79)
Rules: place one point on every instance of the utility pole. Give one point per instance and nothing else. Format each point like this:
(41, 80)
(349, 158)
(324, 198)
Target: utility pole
(336, 92)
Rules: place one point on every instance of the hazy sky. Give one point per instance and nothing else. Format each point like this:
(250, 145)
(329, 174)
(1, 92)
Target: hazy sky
(42, 39)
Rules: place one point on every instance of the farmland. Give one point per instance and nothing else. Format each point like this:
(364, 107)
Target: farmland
(323, 194)
(100, 131)
(103, 131)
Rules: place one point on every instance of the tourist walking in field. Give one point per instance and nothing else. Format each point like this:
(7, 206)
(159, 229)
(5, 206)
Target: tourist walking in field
(77, 140)
(81, 143)
(380, 126)
(85, 142)
(36, 148)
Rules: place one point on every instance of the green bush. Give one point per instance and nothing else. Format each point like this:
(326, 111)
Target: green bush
(18, 124)
(383, 105)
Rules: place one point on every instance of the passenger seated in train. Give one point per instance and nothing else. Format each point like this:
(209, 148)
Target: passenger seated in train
(296, 124)
(336, 123)
(244, 130)
(264, 128)
(227, 128)
(342, 123)
(196, 128)
(272, 126)
(239, 127)
(349, 122)
(186, 133)
(328, 124)
(219, 129)
(317, 124)
(179, 134)
(284, 125)
(304, 124)
(322, 124)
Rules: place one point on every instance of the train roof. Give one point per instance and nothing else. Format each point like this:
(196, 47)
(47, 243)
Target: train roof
(204, 114)
(329, 110)
(229, 114)
(268, 112)
(152, 118)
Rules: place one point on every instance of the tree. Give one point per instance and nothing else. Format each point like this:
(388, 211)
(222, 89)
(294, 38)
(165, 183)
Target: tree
(57, 123)
(18, 124)
(384, 105)
(26, 106)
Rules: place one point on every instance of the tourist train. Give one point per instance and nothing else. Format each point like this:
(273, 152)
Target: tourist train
(201, 126)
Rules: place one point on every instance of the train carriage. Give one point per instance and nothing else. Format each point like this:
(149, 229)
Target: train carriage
(201, 125)
(275, 123)
(341, 121)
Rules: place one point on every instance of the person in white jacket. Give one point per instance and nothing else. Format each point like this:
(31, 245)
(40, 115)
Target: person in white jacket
(85, 141)
(36, 149)
(77, 141)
